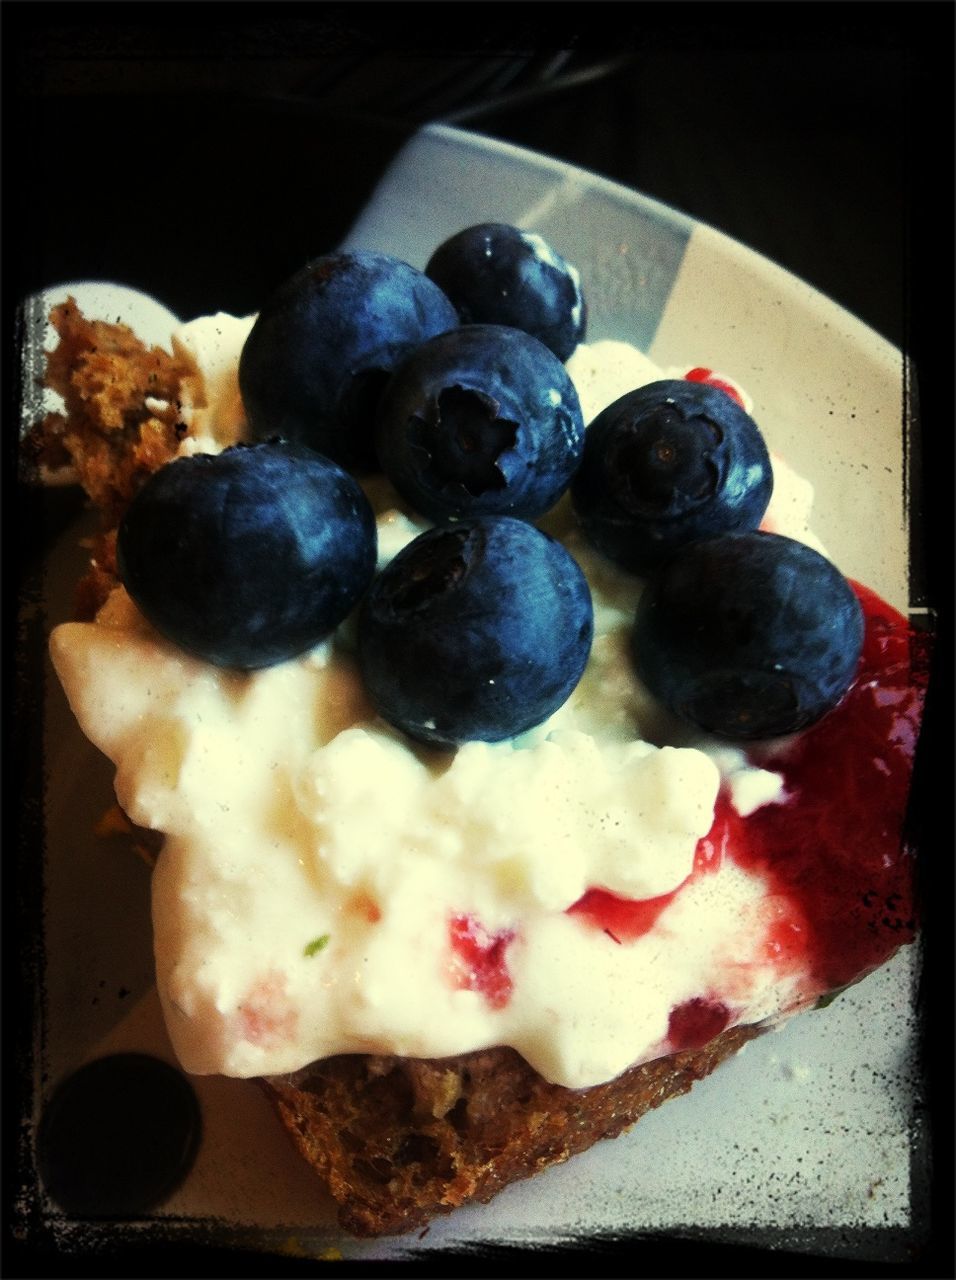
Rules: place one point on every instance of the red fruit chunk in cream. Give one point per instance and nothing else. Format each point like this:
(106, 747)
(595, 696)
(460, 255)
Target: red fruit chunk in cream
(479, 961)
(265, 1016)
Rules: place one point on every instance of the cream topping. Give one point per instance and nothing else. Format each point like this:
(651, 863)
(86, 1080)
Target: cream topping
(316, 862)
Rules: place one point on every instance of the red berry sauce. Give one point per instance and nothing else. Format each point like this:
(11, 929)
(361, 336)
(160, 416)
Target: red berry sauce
(840, 877)
(625, 919)
(701, 374)
(836, 847)
(839, 874)
(696, 1022)
(479, 962)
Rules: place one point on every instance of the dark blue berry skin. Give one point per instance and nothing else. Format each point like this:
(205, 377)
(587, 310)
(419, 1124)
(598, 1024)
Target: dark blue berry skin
(249, 557)
(324, 345)
(476, 632)
(483, 420)
(748, 635)
(495, 273)
(666, 464)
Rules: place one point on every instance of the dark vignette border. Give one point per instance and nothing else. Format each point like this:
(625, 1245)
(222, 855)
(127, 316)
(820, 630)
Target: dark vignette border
(924, 29)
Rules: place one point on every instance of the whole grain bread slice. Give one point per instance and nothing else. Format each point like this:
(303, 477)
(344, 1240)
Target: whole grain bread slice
(399, 1141)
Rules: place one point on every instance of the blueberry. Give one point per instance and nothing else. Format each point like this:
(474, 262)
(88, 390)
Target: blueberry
(497, 274)
(748, 635)
(475, 632)
(249, 557)
(324, 345)
(665, 464)
(483, 420)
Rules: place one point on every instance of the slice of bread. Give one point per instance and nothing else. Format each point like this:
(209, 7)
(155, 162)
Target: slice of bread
(399, 1141)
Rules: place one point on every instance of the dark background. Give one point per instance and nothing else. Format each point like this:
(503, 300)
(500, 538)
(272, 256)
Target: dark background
(202, 152)
(239, 139)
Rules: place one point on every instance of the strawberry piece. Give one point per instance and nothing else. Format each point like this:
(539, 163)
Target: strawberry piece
(479, 961)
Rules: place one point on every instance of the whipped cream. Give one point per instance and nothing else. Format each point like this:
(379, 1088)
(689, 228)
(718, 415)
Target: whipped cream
(316, 862)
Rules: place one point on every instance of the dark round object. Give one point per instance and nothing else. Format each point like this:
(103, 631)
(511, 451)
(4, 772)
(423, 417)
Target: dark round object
(666, 464)
(118, 1136)
(748, 635)
(248, 557)
(324, 345)
(482, 420)
(495, 273)
(476, 632)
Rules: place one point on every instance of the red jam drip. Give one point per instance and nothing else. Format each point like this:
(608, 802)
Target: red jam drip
(479, 962)
(696, 1022)
(701, 374)
(836, 848)
(839, 874)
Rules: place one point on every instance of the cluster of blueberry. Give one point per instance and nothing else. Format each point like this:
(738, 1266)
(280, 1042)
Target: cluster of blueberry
(452, 382)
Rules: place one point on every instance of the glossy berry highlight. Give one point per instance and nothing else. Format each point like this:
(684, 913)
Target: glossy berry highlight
(495, 273)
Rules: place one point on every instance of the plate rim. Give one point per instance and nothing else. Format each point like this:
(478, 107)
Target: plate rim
(805, 295)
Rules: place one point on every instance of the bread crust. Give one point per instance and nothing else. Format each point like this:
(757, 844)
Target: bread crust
(122, 408)
(399, 1141)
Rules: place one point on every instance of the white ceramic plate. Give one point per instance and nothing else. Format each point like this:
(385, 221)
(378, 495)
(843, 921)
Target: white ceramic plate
(812, 1129)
